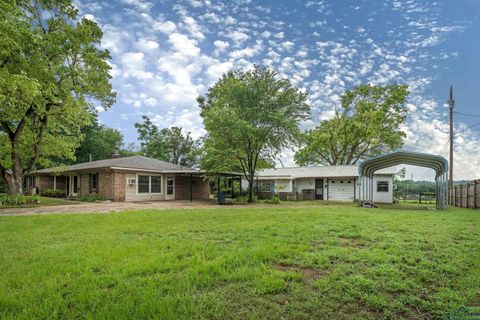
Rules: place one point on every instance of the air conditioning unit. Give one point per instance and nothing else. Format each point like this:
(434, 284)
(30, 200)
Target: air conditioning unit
(131, 181)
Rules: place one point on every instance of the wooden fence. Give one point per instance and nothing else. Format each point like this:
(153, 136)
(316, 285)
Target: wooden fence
(466, 195)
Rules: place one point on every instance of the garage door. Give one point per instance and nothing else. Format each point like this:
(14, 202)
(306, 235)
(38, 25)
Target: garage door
(341, 189)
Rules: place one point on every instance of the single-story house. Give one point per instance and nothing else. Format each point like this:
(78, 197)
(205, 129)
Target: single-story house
(135, 178)
(338, 183)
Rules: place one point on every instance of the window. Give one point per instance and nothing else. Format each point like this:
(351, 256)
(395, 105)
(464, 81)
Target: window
(382, 186)
(265, 186)
(169, 186)
(156, 184)
(93, 182)
(149, 184)
(143, 184)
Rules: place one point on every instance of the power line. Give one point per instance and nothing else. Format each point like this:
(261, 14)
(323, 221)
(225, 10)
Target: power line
(467, 114)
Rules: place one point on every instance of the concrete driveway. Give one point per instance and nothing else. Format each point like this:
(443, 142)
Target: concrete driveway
(105, 207)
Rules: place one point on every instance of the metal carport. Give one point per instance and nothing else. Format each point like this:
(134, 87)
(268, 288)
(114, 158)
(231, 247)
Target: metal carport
(435, 162)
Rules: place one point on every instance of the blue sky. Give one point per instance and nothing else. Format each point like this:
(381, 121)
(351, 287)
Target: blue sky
(166, 53)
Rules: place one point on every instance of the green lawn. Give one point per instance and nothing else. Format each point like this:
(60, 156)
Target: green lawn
(325, 262)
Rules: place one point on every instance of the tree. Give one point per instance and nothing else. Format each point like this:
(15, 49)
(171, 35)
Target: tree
(168, 144)
(367, 124)
(100, 142)
(52, 75)
(250, 117)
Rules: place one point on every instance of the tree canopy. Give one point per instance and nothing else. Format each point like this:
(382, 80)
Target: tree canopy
(250, 117)
(367, 124)
(52, 75)
(169, 144)
(100, 142)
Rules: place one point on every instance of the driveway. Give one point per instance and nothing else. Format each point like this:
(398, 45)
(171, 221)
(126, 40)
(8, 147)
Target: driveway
(105, 207)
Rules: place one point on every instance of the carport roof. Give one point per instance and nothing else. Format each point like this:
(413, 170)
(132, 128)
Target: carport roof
(435, 162)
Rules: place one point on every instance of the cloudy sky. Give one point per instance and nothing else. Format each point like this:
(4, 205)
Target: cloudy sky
(166, 53)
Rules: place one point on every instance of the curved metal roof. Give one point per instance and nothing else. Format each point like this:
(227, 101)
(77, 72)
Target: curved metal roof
(437, 163)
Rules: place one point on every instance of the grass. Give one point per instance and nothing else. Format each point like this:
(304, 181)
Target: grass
(44, 201)
(328, 262)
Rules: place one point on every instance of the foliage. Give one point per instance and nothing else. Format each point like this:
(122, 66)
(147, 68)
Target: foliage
(53, 193)
(367, 124)
(250, 117)
(91, 198)
(401, 173)
(169, 144)
(17, 200)
(241, 200)
(100, 142)
(409, 187)
(52, 76)
(292, 262)
(275, 200)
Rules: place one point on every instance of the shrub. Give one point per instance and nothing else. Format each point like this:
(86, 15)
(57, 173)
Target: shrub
(91, 198)
(275, 200)
(17, 200)
(241, 200)
(53, 193)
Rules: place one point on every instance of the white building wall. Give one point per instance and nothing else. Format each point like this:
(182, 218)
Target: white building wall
(283, 185)
(304, 183)
(383, 197)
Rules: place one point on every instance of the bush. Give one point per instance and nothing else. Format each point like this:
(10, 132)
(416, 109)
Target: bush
(53, 193)
(91, 198)
(275, 200)
(17, 200)
(241, 200)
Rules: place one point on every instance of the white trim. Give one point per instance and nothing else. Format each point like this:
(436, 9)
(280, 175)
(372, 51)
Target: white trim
(54, 182)
(149, 185)
(169, 196)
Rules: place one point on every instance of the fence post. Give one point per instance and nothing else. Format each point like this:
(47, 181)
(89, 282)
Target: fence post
(474, 194)
(456, 188)
(468, 189)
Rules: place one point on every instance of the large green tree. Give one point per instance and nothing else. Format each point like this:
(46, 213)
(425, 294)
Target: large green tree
(367, 124)
(168, 144)
(250, 117)
(52, 75)
(100, 142)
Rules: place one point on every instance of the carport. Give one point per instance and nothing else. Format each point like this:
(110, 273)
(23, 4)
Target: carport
(368, 167)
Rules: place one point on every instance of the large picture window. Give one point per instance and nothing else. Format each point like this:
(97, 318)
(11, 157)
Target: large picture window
(382, 186)
(149, 184)
(266, 186)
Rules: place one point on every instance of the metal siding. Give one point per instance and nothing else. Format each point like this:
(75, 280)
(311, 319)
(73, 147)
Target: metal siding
(383, 197)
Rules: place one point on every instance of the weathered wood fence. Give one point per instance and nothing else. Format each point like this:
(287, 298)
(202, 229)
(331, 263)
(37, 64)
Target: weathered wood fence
(466, 195)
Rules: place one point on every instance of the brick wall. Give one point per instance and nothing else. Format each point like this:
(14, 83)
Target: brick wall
(118, 186)
(200, 188)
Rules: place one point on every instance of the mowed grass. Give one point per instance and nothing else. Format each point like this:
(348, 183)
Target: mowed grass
(326, 262)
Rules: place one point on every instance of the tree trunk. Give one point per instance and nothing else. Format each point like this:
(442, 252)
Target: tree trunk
(250, 189)
(14, 183)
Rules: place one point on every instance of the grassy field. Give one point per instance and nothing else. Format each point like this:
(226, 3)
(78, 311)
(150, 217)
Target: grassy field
(326, 262)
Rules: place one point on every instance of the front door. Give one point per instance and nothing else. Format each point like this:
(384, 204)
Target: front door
(170, 193)
(75, 186)
(319, 189)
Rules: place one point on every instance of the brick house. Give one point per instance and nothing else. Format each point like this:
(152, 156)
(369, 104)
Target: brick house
(135, 178)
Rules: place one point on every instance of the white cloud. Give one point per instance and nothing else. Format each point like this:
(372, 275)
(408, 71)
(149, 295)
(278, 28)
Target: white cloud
(183, 44)
(220, 45)
(238, 37)
(166, 27)
(147, 45)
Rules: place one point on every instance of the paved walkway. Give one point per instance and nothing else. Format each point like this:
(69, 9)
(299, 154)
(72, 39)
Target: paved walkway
(104, 207)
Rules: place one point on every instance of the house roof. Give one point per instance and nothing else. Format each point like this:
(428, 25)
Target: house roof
(320, 172)
(134, 162)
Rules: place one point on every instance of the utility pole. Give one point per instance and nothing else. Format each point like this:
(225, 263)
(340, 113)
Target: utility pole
(451, 103)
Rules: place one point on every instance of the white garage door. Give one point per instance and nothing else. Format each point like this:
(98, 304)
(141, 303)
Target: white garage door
(341, 189)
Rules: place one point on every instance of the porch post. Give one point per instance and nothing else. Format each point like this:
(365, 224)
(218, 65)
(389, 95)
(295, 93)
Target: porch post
(191, 187)
(233, 190)
(55, 182)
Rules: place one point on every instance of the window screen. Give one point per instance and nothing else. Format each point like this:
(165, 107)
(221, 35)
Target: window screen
(169, 185)
(143, 184)
(382, 186)
(266, 186)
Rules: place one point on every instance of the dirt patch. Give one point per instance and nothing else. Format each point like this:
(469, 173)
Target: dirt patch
(352, 242)
(309, 274)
